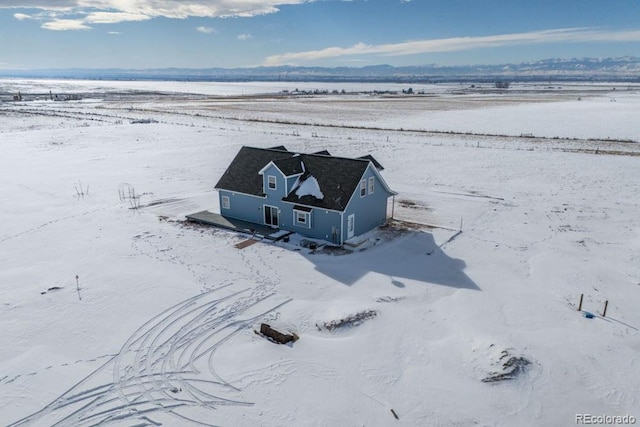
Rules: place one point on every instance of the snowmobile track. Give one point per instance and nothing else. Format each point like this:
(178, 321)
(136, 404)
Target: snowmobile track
(165, 367)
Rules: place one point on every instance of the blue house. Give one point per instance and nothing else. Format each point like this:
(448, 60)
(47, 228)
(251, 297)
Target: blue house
(316, 195)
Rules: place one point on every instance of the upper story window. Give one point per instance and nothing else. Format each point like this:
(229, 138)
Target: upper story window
(363, 188)
(271, 182)
(371, 184)
(226, 203)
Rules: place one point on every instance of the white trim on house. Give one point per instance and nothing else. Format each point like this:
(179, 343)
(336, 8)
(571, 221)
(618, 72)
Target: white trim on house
(233, 193)
(351, 225)
(301, 218)
(264, 217)
(371, 184)
(381, 179)
(342, 227)
(384, 184)
(311, 206)
(226, 202)
(275, 182)
(261, 171)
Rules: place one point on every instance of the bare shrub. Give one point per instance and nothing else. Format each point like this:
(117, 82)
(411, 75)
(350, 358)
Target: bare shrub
(347, 322)
(127, 193)
(81, 190)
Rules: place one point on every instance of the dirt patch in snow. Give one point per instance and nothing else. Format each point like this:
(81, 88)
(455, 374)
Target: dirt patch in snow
(413, 204)
(511, 368)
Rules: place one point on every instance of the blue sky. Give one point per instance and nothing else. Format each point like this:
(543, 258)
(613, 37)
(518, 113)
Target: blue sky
(36, 34)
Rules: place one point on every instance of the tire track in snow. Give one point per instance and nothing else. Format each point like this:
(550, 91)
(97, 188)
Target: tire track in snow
(53, 221)
(165, 367)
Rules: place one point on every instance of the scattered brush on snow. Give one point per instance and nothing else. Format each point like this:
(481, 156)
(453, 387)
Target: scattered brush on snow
(512, 367)
(193, 225)
(332, 250)
(398, 226)
(51, 289)
(347, 322)
(127, 193)
(412, 204)
(389, 299)
(143, 121)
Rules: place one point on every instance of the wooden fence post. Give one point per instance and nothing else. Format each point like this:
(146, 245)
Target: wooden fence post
(606, 304)
(580, 305)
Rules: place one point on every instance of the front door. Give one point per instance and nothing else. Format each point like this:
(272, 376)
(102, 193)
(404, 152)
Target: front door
(271, 215)
(351, 225)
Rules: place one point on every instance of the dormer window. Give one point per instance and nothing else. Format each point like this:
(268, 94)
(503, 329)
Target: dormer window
(271, 182)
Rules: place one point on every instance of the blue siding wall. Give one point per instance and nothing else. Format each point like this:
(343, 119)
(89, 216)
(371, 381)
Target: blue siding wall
(242, 206)
(291, 181)
(279, 192)
(324, 224)
(371, 210)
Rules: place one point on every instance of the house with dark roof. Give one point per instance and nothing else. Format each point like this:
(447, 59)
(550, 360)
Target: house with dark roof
(317, 195)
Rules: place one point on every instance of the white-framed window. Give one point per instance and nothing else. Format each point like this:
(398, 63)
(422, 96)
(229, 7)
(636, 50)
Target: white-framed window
(302, 219)
(371, 184)
(363, 188)
(271, 182)
(226, 202)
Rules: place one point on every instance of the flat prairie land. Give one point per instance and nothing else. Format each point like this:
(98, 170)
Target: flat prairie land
(118, 312)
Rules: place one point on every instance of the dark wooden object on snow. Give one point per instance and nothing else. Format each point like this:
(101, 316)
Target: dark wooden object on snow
(276, 336)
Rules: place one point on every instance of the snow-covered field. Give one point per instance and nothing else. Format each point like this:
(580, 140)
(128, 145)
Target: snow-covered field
(120, 316)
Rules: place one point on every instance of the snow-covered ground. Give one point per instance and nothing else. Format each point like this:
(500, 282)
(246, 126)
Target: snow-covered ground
(120, 316)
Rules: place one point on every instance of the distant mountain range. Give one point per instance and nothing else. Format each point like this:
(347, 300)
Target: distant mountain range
(584, 69)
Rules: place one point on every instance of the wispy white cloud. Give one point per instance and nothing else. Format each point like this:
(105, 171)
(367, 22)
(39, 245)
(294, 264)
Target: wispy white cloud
(567, 35)
(65, 25)
(114, 17)
(206, 30)
(114, 32)
(22, 16)
(244, 36)
(113, 11)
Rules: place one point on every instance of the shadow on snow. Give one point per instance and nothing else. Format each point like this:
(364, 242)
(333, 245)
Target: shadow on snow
(413, 255)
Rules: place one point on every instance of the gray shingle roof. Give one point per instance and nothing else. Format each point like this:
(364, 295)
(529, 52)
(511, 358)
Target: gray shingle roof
(338, 177)
(242, 174)
(278, 148)
(373, 160)
(290, 166)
